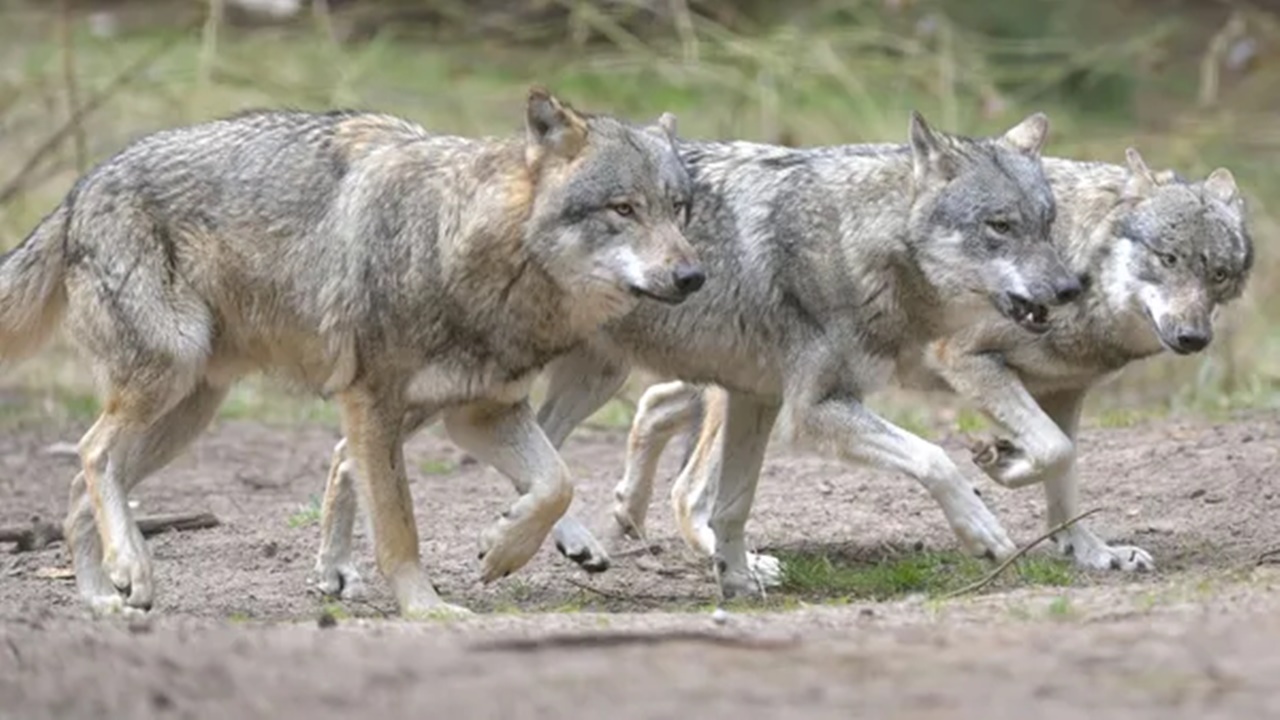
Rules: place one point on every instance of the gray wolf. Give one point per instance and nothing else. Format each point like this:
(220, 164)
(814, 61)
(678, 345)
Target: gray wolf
(825, 268)
(360, 257)
(1162, 255)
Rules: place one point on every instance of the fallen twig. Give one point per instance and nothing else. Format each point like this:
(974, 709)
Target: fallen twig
(40, 534)
(991, 577)
(599, 591)
(620, 639)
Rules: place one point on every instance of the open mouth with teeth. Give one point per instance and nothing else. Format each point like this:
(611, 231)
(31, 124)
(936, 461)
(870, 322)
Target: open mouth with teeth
(673, 299)
(1031, 316)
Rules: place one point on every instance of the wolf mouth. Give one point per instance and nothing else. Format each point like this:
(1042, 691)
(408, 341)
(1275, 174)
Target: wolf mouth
(664, 299)
(1031, 316)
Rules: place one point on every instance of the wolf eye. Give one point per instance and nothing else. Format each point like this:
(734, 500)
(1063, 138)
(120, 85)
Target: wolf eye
(1219, 275)
(1000, 227)
(680, 206)
(1169, 259)
(623, 209)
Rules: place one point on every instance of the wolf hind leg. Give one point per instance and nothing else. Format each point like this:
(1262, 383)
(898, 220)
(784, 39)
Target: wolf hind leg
(129, 442)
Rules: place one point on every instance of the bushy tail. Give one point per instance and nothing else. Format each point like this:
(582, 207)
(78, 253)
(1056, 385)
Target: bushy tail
(33, 295)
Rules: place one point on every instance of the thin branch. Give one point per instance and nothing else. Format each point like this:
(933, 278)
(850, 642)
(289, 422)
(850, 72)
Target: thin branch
(17, 183)
(990, 578)
(67, 41)
(601, 592)
(39, 534)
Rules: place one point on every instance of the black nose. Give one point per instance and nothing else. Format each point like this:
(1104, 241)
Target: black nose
(689, 279)
(1069, 290)
(1192, 341)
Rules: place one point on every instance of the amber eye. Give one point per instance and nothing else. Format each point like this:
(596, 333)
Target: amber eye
(1000, 227)
(1219, 275)
(624, 209)
(1169, 259)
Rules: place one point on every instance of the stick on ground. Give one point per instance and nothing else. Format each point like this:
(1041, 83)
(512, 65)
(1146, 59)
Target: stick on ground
(990, 578)
(40, 534)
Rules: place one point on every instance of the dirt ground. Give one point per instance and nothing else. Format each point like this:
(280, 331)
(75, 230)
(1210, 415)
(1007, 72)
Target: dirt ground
(235, 631)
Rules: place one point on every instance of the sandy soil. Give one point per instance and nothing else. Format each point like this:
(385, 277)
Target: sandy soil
(235, 631)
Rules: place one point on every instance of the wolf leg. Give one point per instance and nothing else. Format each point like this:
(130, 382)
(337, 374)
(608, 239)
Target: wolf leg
(124, 447)
(748, 421)
(843, 427)
(335, 571)
(509, 438)
(1061, 489)
(374, 427)
(1039, 447)
(664, 410)
(580, 383)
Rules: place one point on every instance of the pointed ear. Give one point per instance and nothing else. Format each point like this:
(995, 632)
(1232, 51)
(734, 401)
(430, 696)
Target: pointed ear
(1221, 185)
(665, 127)
(1142, 182)
(929, 156)
(552, 126)
(1029, 136)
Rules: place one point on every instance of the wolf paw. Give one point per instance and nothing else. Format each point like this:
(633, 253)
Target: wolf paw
(510, 543)
(978, 529)
(130, 573)
(576, 542)
(1089, 551)
(1003, 462)
(340, 581)
(766, 568)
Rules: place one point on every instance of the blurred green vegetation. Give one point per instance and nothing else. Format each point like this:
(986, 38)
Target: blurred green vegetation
(1193, 85)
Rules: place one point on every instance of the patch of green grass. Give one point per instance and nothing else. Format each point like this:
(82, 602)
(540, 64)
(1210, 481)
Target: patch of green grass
(1060, 608)
(437, 466)
(971, 421)
(335, 610)
(238, 617)
(306, 515)
(933, 573)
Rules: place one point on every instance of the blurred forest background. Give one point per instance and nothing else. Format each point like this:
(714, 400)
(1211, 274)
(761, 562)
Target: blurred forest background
(1194, 84)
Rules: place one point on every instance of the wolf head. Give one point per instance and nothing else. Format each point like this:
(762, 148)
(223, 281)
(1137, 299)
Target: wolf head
(981, 218)
(1179, 251)
(609, 204)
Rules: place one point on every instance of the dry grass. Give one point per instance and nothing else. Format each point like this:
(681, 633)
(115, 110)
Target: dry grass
(845, 76)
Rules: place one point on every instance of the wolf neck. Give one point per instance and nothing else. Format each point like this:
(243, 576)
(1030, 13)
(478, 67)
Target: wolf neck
(502, 283)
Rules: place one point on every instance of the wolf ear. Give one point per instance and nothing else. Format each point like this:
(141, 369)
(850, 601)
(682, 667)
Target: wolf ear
(1221, 185)
(1141, 180)
(664, 127)
(553, 126)
(929, 156)
(1029, 136)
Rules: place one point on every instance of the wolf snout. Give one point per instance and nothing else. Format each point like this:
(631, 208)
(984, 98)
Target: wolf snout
(1190, 341)
(688, 279)
(1067, 289)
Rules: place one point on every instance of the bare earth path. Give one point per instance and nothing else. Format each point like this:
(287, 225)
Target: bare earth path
(235, 634)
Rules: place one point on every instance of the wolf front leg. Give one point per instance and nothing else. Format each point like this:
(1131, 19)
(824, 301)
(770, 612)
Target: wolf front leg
(373, 424)
(508, 438)
(580, 383)
(1062, 492)
(748, 421)
(845, 428)
(1039, 447)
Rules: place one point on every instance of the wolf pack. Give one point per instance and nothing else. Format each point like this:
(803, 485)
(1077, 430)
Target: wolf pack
(415, 277)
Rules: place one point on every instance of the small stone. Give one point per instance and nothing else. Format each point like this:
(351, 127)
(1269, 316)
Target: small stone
(720, 617)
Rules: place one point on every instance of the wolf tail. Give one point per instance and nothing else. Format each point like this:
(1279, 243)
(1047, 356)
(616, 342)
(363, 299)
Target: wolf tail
(33, 294)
